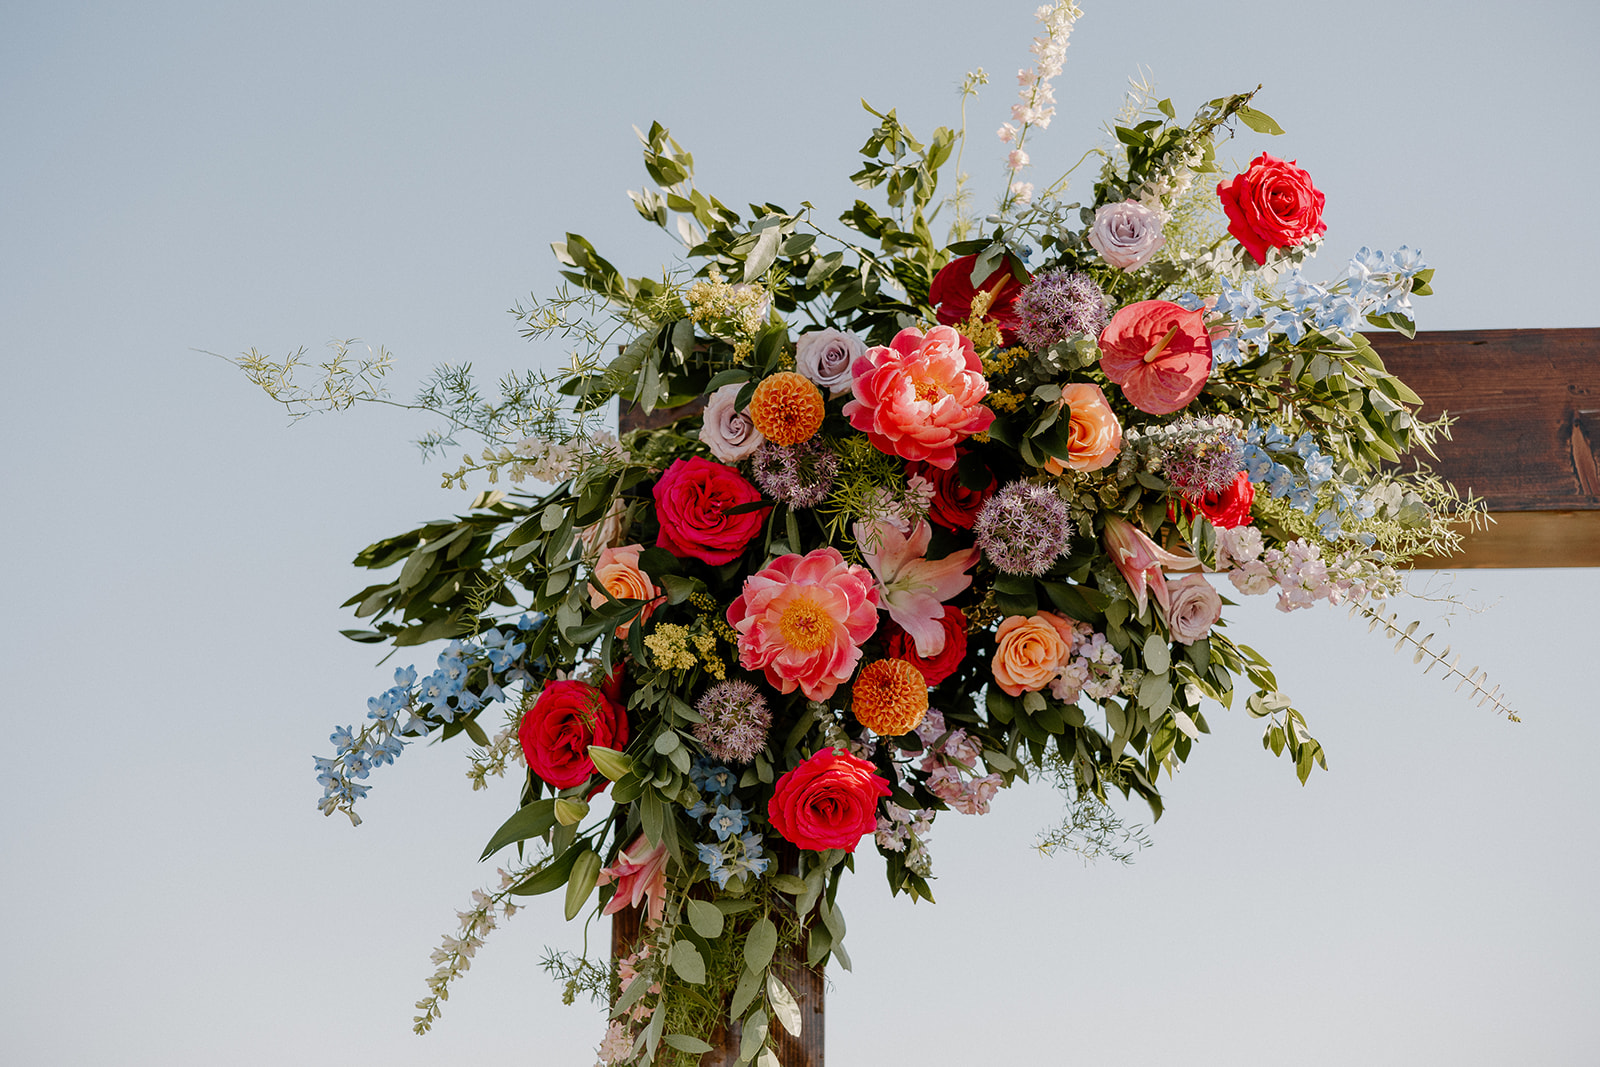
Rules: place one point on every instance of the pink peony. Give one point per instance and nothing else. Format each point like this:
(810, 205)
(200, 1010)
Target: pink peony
(1159, 353)
(918, 398)
(802, 620)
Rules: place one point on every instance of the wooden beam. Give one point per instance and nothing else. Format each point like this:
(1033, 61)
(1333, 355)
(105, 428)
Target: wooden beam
(1528, 409)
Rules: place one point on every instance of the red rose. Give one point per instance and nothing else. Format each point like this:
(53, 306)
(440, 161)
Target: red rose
(558, 728)
(954, 506)
(952, 292)
(829, 801)
(1231, 507)
(692, 500)
(943, 664)
(1272, 205)
(1159, 353)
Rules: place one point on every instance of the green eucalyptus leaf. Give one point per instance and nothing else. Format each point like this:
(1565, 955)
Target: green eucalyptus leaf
(686, 960)
(760, 945)
(784, 1008)
(705, 918)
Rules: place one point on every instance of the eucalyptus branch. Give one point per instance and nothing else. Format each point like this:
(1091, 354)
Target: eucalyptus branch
(1405, 636)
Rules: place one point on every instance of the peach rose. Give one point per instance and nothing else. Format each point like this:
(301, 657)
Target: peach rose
(1094, 436)
(618, 571)
(1030, 651)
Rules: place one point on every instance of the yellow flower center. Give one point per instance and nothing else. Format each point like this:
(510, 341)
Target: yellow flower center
(805, 625)
(932, 392)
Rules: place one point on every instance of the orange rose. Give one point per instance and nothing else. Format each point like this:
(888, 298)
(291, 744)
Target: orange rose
(1030, 650)
(618, 571)
(1094, 436)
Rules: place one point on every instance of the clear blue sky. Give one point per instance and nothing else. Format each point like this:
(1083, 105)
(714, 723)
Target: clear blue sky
(219, 176)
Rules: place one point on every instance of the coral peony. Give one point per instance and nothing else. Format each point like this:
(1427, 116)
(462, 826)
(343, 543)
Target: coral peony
(1159, 353)
(920, 396)
(802, 620)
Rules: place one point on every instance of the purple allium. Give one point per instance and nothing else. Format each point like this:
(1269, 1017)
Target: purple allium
(798, 475)
(736, 721)
(1058, 304)
(1200, 459)
(1023, 528)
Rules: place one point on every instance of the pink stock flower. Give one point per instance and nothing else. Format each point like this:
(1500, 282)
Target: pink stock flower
(640, 871)
(1141, 561)
(802, 620)
(912, 587)
(921, 396)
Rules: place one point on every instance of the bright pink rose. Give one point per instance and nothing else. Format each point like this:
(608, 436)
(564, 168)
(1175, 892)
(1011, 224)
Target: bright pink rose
(1159, 353)
(692, 500)
(558, 728)
(920, 396)
(802, 620)
(1272, 205)
(829, 801)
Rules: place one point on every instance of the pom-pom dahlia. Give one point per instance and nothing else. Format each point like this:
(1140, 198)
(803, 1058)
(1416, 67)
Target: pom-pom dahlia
(787, 408)
(889, 697)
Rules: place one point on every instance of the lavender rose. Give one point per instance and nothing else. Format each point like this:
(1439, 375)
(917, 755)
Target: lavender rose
(1195, 606)
(826, 356)
(1127, 234)
(728, 432)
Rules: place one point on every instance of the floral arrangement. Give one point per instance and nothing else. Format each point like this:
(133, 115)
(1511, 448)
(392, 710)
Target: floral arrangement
(899, 522)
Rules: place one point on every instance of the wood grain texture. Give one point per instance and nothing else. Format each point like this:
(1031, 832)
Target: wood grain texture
(1528, 405)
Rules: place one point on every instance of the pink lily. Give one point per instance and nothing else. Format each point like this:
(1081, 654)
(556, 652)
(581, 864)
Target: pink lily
(911, 587)
(638, 873)
(1141, 561)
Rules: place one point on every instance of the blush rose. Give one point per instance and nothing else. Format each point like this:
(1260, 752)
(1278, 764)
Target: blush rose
(1196, 606)
(617, 571)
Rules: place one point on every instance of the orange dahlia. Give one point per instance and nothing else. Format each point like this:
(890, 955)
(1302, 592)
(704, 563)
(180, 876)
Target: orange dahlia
(786, 408)
(890, 697)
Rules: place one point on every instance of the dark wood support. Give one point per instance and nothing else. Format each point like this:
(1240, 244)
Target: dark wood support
(1528, 409)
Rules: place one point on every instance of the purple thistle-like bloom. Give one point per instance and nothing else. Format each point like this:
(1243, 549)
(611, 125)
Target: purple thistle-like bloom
(736, 721)
(1024, 528)
(798, 475)
(1200, 460)
(1058, 304)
